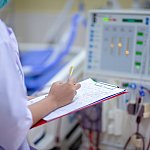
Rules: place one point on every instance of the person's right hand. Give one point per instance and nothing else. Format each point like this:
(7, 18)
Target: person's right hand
(63, 93)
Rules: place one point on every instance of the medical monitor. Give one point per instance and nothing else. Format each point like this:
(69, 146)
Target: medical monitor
(118, 44)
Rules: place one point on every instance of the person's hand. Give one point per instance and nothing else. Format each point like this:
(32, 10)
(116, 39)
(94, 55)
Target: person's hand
(63, 93)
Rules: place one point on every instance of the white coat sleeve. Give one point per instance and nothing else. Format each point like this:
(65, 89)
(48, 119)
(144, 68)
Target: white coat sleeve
(15, 117)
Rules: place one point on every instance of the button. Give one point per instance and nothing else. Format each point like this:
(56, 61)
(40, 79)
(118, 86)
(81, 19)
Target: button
(147, 23)
(91, 39)
(91, 46)
(90, 52)
(90, 57)
(142, 93)
(132, 86)
(91, 35)
(89, 67)
(92, 31)
(90, 60)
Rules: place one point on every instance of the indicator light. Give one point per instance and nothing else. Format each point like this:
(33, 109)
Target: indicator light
(132, 20)
(132, 86)
(105, 19)
(127, 52)
(139, 42)
(140, 34)
(137, 65)
(120, 45)
(138, 53)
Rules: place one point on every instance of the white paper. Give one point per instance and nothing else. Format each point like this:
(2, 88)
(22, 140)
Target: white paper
(89, 93)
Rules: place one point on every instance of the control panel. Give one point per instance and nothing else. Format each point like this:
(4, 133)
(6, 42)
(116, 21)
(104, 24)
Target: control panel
(118, 44)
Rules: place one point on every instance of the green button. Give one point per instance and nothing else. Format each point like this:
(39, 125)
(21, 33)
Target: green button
(140, 34)
(139, 42)
(105, 19)
(138, 63)
(138, 53)
(126, 100)
(125, 84)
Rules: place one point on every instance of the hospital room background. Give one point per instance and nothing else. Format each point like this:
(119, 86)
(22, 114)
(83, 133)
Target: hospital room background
(106, 40)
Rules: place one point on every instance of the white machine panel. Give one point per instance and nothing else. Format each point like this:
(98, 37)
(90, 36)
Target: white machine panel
(118, 44)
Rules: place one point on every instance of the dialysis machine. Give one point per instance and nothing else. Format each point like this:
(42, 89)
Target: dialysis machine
(118, 51)
(119, 44)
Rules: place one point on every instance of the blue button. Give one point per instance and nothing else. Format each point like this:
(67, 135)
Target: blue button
(89, 66)
(90, 57)
(141, 87)
(90, 60)
(132, 86)
(147, 23)
(142, 93)
(92, 31)
(91, 46)
(91, 35)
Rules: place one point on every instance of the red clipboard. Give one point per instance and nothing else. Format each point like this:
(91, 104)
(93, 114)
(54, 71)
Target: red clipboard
(42, 122)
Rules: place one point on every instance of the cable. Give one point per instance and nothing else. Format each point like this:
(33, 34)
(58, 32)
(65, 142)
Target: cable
(138, 121)
(148, 147)
(148, 90)
(57, 137)
(90, 139)
(137, 134)
(40, 138)
(58, 131)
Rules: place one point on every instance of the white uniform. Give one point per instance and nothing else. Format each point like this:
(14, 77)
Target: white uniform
(15, 117)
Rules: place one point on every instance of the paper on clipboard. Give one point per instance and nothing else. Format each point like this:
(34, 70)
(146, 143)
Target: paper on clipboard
(90, 92)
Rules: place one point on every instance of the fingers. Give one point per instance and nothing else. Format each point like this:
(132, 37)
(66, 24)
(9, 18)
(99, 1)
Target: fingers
(58, 82)
(77, 86)
(71, 81)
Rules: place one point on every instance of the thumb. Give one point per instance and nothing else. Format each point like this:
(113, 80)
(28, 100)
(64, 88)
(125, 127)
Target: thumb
(77, 86)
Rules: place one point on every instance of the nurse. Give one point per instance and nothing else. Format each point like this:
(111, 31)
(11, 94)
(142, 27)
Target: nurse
(16, 118)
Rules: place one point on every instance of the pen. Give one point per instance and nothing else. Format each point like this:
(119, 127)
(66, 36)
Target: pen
(70, 72)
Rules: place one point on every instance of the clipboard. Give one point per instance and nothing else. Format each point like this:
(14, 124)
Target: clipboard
(90, 93)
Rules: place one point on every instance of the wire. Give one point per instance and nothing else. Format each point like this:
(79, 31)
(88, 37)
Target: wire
(148, 90)
(58, 132)
(148, 147)
(137, 134)
(90, 139)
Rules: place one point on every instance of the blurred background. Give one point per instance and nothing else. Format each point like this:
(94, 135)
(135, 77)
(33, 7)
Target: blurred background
(54, 35)
(38, 17)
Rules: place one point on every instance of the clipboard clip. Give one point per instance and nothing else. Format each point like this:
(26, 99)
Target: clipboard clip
(106, 85)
